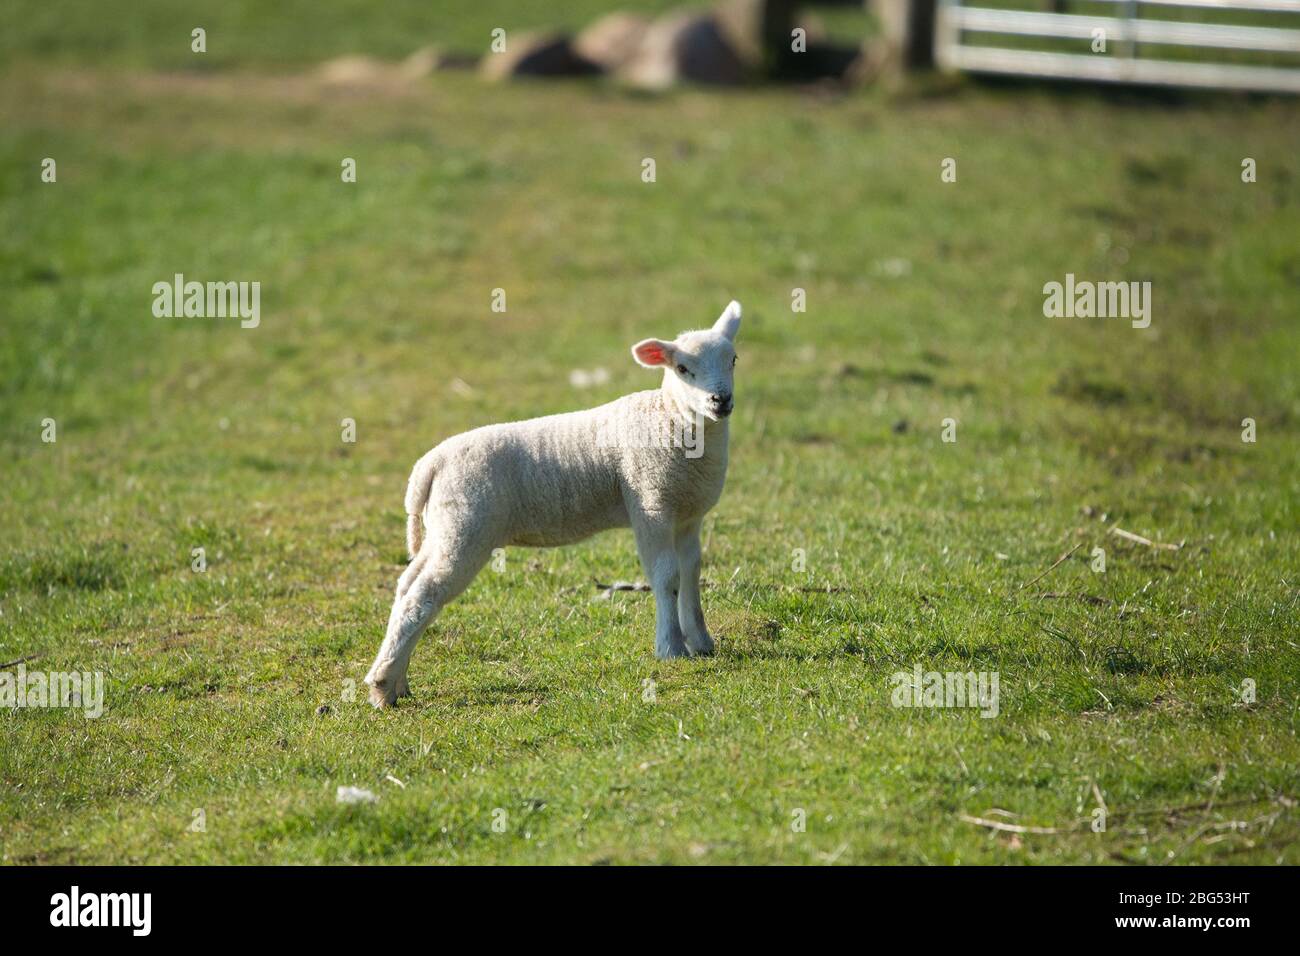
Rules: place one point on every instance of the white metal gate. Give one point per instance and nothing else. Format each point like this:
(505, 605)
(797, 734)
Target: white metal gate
(962, 33)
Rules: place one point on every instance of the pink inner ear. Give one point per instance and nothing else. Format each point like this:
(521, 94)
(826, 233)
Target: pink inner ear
(651, 353)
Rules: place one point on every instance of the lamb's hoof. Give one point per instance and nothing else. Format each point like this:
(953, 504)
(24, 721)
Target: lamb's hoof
(382, 694)
(671, 652)
(700, 645)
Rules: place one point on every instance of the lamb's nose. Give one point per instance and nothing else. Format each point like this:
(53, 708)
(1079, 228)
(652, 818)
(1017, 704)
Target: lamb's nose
(720, 402)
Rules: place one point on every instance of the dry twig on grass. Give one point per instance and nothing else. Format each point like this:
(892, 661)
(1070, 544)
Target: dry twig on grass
(1086, 598)
(1054, 566)
(21, 660)
(1138, 539)
(621, 586)
(1007, 827)
(805, 589)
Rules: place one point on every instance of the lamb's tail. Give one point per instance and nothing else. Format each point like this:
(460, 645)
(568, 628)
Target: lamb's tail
(417, 496)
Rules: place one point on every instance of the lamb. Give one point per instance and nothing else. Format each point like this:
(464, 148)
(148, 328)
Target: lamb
(654, 461)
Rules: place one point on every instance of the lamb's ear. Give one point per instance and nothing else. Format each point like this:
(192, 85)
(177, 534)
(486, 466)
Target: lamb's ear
(728, 323)
(653, 352)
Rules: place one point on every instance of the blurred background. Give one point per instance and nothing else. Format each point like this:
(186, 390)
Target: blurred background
(888, 202)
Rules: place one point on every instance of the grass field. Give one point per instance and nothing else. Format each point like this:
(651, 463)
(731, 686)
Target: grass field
(228, 691)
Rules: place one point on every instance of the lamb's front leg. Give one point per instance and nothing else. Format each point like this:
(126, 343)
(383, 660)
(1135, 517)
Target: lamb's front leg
(689, 612)
(654, 543)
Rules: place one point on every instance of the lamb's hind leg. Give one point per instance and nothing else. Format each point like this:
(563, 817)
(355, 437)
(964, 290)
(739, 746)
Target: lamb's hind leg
(446, 567)
(403, 585)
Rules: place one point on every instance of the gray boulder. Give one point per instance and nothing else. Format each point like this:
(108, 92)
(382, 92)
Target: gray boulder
(613, 40)
(759, 31)
(683, 46)
(535, 54)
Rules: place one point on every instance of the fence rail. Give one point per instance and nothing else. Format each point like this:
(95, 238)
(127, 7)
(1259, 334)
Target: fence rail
(1125, 35)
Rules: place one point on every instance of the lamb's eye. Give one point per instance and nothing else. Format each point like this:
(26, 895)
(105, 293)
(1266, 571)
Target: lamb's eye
(683, 370)
(733, 360)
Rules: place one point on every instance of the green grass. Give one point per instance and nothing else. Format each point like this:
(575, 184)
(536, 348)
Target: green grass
(282, 35)
(226, 690)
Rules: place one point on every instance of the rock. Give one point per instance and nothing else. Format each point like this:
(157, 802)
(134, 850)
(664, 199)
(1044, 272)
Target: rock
(581, 378)
(366, 71)
(354, 71)
(420, 64)
(759, 31)
(456, 60)
(683, 46)
(612, 40)
(535, 54)
(354, 795)
(426, 60)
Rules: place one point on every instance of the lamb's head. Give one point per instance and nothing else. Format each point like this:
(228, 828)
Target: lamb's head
(699, 367)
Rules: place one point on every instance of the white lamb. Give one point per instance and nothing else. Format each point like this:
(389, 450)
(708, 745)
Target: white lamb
(653, 460)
